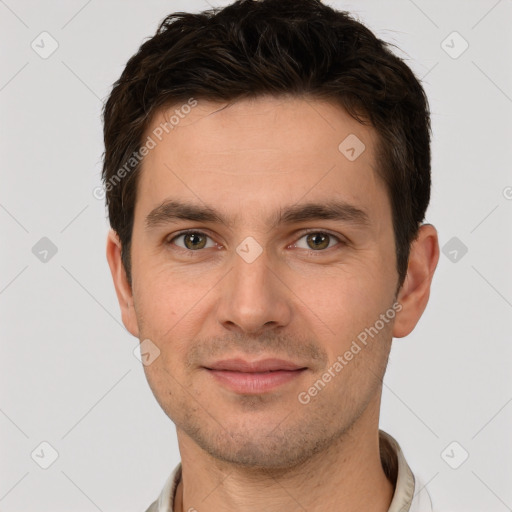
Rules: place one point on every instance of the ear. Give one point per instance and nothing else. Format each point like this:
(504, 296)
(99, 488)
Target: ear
(123, 289)
(415, 291)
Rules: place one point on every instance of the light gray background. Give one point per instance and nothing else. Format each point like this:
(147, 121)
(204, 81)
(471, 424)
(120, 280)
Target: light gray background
(68, 375)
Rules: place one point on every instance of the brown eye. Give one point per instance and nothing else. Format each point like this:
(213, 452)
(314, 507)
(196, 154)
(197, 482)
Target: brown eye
(192, 240)
(317, 241)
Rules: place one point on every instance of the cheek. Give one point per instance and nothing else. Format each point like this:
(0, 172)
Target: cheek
(348, 305)
(353, 294)
(163, 298)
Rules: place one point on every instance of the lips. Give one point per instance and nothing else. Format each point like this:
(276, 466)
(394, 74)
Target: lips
(266, 365)
(254, 377)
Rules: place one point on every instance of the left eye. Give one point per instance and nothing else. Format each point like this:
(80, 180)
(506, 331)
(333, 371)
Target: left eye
(317, 241)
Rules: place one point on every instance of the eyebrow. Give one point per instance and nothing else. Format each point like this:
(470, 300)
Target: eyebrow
(173, 210)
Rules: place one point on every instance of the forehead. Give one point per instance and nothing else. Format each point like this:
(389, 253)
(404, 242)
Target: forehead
(279, 125)
(268, 149)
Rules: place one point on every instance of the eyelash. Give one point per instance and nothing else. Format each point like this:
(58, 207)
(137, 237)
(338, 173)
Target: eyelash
(341, 242)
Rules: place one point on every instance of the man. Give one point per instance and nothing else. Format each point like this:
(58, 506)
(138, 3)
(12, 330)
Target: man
(267, 169)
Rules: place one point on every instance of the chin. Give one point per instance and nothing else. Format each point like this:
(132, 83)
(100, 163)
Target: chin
(261, 448)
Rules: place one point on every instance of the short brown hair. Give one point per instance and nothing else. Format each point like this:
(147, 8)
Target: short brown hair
(273, 47)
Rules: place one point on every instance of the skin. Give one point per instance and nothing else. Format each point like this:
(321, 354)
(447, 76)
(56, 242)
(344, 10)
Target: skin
(248, 160)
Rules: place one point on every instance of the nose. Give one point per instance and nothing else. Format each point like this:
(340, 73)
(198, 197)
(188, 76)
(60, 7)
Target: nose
(253, 298)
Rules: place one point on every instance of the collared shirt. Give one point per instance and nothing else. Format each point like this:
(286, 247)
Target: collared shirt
(410, 495)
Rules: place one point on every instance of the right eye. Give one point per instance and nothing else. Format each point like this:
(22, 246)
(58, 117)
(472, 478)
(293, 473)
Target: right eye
(192, 240)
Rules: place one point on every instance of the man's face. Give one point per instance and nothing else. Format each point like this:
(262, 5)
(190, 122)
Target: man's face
(270, 280)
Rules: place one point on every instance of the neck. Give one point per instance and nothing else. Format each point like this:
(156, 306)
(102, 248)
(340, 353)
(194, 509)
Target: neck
(347, 476)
